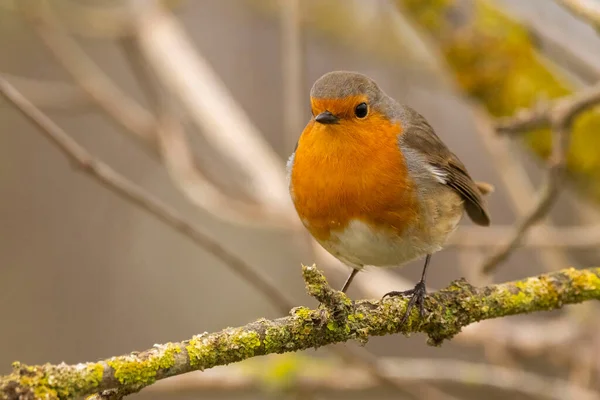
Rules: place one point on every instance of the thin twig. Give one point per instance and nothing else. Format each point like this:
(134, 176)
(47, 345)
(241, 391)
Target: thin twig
(544, 113)
(516, 182)
(52, 95)
(448, 311)
(547, 197)
(87, 74)
(120, 185)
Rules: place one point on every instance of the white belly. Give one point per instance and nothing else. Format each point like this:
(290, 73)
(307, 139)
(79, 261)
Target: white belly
(359, 245)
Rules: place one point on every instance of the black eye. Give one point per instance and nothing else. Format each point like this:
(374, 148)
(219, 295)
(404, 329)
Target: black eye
(361, 110)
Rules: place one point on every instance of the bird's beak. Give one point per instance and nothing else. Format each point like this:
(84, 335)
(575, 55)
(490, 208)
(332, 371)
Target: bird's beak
(327, 118)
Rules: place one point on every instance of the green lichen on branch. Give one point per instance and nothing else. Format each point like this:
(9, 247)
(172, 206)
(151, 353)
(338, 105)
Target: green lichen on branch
(336, 320)
(50, 381)
(140, 370)
(494, 60)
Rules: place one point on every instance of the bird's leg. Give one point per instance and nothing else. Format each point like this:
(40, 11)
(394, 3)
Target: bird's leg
(339, 312)
(349, 280)
(344, 289)
(417, 294)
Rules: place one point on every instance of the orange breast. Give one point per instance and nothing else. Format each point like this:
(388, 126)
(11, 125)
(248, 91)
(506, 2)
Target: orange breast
(352, 170)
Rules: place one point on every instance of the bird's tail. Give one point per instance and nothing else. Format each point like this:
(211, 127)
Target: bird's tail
(485, 188)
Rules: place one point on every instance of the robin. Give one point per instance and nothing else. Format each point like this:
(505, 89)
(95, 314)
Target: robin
(374, 184)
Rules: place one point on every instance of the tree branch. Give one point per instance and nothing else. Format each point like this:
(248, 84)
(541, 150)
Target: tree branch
(339, 320)
(545, 113)
(52, 95)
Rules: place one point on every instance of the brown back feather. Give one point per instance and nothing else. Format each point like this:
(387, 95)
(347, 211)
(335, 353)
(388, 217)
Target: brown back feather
(420, 136)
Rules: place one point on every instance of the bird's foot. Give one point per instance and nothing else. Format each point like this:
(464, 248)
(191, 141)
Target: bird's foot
(417, 297)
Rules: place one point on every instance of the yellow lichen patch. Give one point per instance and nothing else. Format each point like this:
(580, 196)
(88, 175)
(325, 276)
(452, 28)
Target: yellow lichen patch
(141, 369)
(56, 381)
(206, 351)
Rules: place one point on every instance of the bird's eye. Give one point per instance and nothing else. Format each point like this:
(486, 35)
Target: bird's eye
(361, 110)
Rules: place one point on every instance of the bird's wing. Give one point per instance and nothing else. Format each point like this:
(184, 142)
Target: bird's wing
(444, 165)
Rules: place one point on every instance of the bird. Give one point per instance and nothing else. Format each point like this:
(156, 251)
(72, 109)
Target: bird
(374, 184)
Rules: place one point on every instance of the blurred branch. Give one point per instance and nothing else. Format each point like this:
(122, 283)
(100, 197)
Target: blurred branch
(87, 74)
(178, 158)
(554, 114)
(322, 376)
(52, 95)
(341, 320)
(381, 374)
(209, 104)
(143, 124)
(560, 117)
(528, 338)
(126, 189)
(589, 10)
(104, 20)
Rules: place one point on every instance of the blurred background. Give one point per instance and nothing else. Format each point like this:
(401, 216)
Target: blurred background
(196, 105)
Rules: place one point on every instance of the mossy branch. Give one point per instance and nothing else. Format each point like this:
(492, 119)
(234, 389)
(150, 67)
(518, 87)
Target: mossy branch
(337, 320)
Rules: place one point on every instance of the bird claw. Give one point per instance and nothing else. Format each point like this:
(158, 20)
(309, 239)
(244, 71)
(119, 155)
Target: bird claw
(417, 297)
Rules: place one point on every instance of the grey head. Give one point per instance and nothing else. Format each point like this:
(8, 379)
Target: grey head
(339, 84)
(348, 85)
